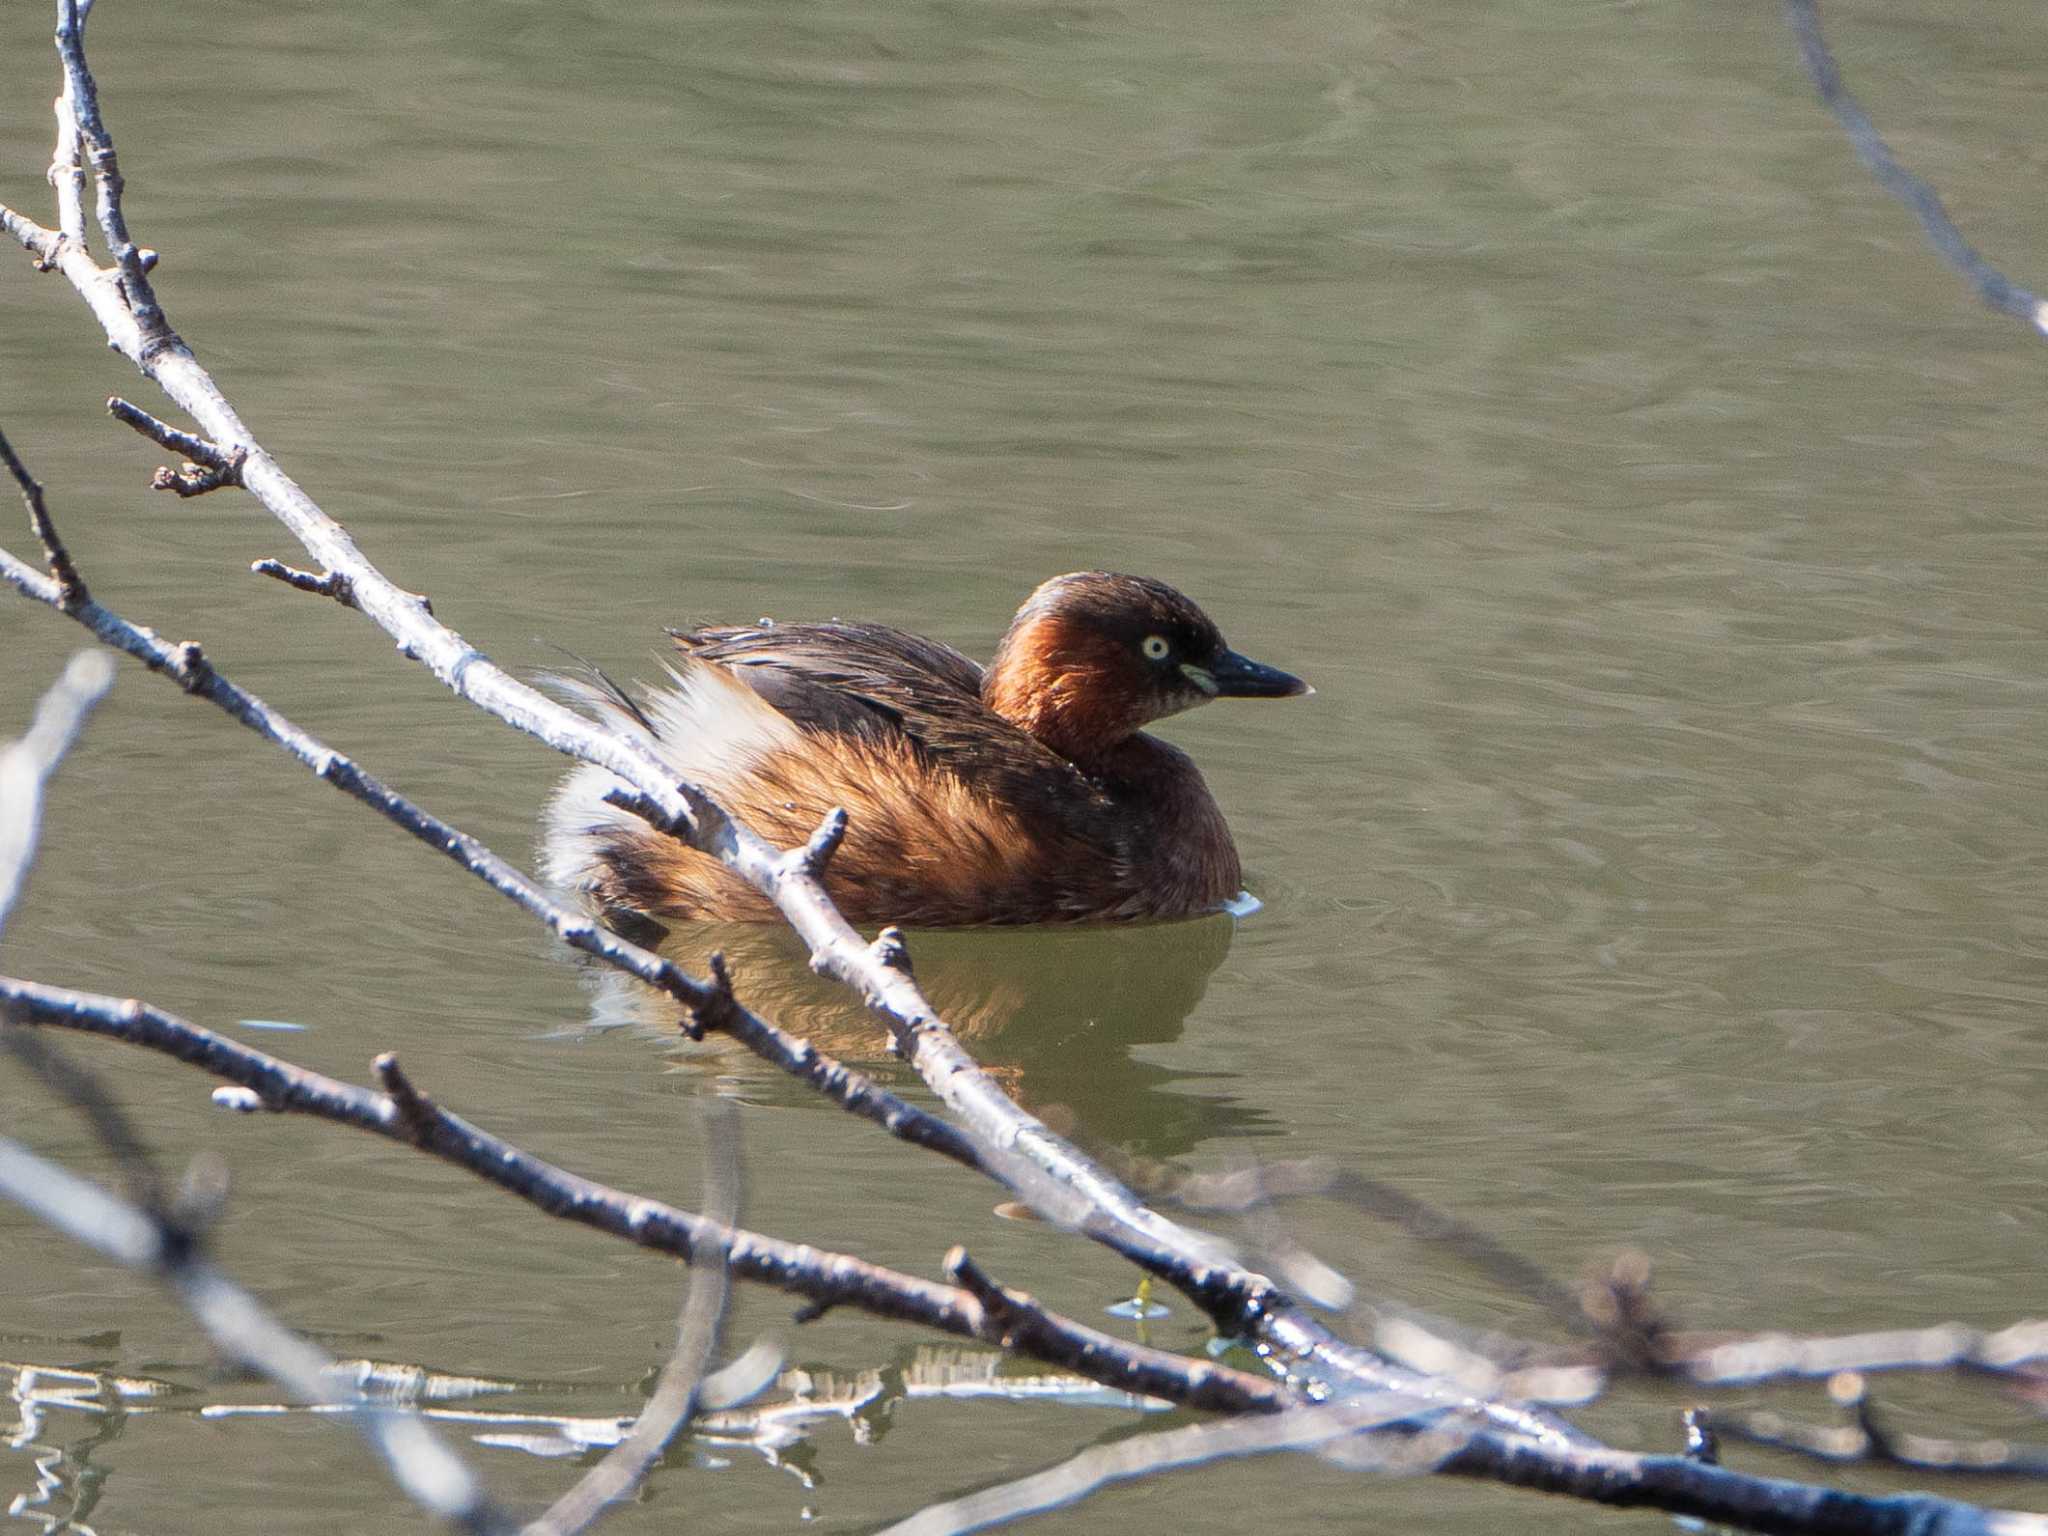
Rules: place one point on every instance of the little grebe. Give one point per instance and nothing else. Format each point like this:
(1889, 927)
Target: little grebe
(1022, 794)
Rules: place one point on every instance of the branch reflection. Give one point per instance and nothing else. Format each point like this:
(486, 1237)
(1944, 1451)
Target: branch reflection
(1061, 1015)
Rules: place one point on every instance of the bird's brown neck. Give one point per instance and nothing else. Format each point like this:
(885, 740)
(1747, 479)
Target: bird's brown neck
(1052, 681)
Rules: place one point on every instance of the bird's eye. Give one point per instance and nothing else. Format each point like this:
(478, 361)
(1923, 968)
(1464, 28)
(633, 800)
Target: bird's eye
(1155, 647)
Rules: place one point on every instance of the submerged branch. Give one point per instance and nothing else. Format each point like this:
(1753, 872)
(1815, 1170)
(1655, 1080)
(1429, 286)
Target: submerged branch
(674, 1400)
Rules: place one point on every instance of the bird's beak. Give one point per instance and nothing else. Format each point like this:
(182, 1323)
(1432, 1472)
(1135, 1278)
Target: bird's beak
(1231, 676)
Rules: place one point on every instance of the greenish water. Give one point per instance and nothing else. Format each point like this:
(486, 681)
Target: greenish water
(1662, 862)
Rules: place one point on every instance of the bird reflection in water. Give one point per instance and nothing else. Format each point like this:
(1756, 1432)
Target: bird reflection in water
(1057, 1015)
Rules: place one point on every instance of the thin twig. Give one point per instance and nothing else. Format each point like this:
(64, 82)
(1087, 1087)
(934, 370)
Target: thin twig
(83, 1092)
(320, 584)
(164, 435)
(71, 590)
(26, 765)
(1243, 1190)
(67, 174)
(1992, 285)
(97, 147)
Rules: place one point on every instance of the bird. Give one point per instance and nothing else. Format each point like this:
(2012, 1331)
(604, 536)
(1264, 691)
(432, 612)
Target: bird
(1023, 792)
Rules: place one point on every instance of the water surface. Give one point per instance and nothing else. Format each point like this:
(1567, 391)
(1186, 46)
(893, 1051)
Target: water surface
(1660, 863)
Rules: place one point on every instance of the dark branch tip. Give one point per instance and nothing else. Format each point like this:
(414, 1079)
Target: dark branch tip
(416, 1112)
(1701, 1443)
(716, 1008)
(1616, 1301)
(71, 590)
(1004, 1310)
(191, 479)
(636, 803)
(189, 666)
(324, 584)
(971, 1277)
(891, 950)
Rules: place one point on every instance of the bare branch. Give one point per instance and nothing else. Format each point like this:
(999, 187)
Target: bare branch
(82, 1091)
(26, 765)
(1683, 1485)
(67, 171)
(324, 584)
(97, 146)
